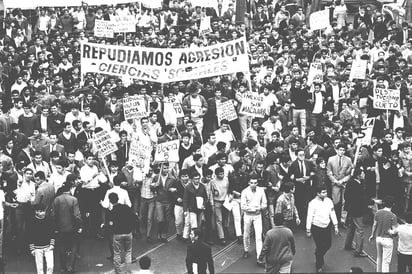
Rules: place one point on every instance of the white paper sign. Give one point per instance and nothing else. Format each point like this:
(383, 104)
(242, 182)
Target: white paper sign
(315, 73)
(358, 70)
(103, 28)
(226, 110)
(134, 108)
(124, 23)
(252, 105)
(319, 20)
(139, 154)
(167, 152)
(386, 99)
(103, 143)
(366, 134)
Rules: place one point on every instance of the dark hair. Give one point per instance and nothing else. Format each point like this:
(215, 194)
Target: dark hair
(388, 201)
(196, 157)
(145, 262)
(118, 179)
(278, 219)
(184, 172)
(320, 188)
(219, 170)
(40, 174)
(288, 186)
(221, 145)
(113, 198)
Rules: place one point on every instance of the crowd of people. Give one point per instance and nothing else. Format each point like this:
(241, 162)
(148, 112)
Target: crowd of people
(301, 162)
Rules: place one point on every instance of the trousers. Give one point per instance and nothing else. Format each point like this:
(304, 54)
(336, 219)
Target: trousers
(256, 221)
(47, 254)
(323, 241)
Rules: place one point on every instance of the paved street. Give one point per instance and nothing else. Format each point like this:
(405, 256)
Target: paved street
(170, 257)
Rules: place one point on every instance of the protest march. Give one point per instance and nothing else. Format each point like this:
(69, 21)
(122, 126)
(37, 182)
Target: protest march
(154, 136)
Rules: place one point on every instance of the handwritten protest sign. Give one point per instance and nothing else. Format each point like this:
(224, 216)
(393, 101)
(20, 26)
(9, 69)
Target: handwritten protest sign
(252, 105)
(134, 108)
(167, 152)
(123, 23)
(205, 25)
(226, 110)
(104, 144)
(358, 70)
(152, 4)
(103, 28)
(319, 20)
(365, 136)
(315, 73)
(139, 154)
(386, 99)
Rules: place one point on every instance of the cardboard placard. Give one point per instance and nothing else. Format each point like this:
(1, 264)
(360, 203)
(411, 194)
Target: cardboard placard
(252, 105)
(103, 143)
(167, 152)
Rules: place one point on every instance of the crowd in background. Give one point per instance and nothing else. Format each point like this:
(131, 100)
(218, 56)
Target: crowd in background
(51, 109)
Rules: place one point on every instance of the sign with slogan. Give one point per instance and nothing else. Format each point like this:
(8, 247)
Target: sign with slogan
(139, 153)
(386, 99)
(226, 110)
(315, 73)
(167, 152)
(205, 25)
(319, 19)
(103, 28)
(164, 65)
(252, 105)
(103, 143)
(123, 23)
(365, 136)
(24, 4)
(152, 4)
(358, 70)
(134, 108)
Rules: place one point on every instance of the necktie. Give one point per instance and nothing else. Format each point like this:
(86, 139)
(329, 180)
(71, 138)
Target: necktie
(301, 168)
(340, 161)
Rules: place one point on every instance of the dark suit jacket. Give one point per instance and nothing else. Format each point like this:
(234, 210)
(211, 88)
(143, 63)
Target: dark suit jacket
(163, 193)
(318, 150)
(201, 254)
(23, 158)
(45, 152)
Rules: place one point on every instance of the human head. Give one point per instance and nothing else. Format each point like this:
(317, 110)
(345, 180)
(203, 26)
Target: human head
(388, 201)
(145, 262)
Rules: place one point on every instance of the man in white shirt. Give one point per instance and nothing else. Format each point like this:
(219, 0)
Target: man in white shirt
(320, 213)
(252, 202)
(58, 177)
(224, 134)
(404, 233)
(209, 148)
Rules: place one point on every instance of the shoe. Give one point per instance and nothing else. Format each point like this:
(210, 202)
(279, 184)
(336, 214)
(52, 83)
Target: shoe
(186, 240)
(319, 270)
(110, 258)
(163, 240)
(179, 237)
(360, 254)
(222, 241)
(210, 242)
(149, 240)
(260, 263)
(239, 239)
(245, 254)
(349, 248)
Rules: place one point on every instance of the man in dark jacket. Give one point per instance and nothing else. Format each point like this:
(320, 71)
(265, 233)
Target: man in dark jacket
(199, 253)
(278, 248)
(122, 221)
(66, 214)
(356, 206)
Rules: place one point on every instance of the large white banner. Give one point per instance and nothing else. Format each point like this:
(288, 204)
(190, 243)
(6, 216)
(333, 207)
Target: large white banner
(25, 4)
(319, 20)
(315, 73)
(358, 70)
(165, 65)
